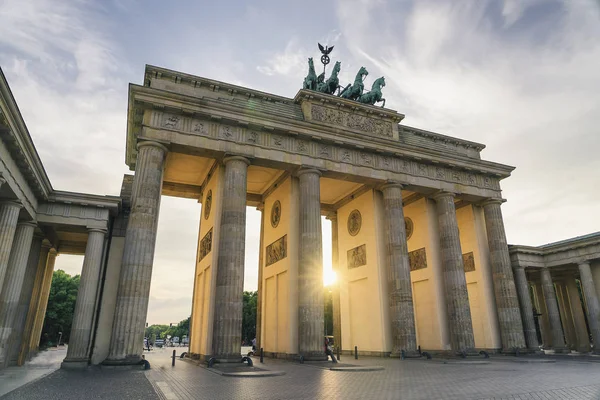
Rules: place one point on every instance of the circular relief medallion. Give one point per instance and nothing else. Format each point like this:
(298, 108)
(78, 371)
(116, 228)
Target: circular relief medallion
(408, 226)
(354, 222)
(207, 204)
(275, 214)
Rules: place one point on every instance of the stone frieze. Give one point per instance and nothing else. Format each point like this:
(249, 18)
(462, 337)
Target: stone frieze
(319, 149)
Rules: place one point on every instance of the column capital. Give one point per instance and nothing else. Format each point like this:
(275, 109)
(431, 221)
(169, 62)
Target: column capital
(332, 216)
(152, 143)
(235, 158)
(581, 263)
(12, 203)
(517, 266)
(100, 230)
(303, 171)
(2, 180)
(391, 184)
(494, 200)
(27, 223)
(261, 206)
(52, 251)
(442, 194)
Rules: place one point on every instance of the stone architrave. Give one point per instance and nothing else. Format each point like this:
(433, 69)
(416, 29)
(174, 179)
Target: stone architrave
(507, 302)
(25, 297)
(402, 317)
(34, 302)
(592, 304)
(457, 297)
(42, 304)
(310, 268)
(9, 214)
(558, 342)
(13, 282)
(138, 256)
(227, 324)
(526, 308)
(78, 352)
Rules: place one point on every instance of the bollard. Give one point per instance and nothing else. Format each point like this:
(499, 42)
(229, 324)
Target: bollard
(356, 352)
(174, 356)
(261, 355)
(338, 353)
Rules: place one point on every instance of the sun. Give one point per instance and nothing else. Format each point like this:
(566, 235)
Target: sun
(329, 277)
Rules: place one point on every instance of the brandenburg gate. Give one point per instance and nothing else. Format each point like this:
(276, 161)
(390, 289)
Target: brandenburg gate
(418, 239)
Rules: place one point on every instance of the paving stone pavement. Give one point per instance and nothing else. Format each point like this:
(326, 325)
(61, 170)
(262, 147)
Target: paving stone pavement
(502, 378)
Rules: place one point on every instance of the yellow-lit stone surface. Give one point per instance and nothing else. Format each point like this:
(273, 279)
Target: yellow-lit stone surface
(280, 298)
(205, 278)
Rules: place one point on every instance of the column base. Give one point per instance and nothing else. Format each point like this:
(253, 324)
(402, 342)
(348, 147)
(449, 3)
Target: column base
(315, 356)
(74, 364)
(129, 360)
(407, 354)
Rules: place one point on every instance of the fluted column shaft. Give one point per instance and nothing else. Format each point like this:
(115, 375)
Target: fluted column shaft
(25, 298)
(402, 317)
(581, 330)
(138, 256)
(9, 213)
(337, 314)
(13, 282)
(457, 297)
(259, 301)
(591, 302)
(42, 304)
(310, 268)
(85, 305)
(40, 272)
(526, 308)
(507, 302)
(558, 342)
(227, 325)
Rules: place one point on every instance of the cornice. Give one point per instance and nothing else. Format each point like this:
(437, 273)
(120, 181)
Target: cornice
(144, 98)
(25, 153)
(111, 203)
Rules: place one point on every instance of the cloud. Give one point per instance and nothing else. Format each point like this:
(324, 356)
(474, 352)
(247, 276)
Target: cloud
(291, 61)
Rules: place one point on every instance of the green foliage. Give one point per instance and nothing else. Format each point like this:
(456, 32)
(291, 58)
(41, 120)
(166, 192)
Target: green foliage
(249, 316)
(156, 331)
(61, 306)
(180, 330)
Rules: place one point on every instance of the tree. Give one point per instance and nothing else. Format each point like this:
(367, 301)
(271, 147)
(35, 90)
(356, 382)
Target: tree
(156, 331)
(249, 316)
(180, 330)
(61, 306)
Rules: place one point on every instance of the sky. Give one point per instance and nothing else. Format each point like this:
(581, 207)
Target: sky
(520, 76)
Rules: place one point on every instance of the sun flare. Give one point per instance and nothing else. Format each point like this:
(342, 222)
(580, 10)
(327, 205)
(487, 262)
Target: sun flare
(329, 277)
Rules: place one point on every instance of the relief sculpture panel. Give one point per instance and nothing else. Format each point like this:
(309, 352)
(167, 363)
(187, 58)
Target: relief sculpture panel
(469, 262)
(205, 245)
(353, 121)
(417, 259)
(277, 250)
(357, 256)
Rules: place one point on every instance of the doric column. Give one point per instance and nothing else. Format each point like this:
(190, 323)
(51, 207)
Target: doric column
(402, 317)
(507, 303)
(581, 330)
(591, 303)
(25, 297)
(558, 342)
(13, 281)
(78, 352)
(40, 272)
(138, 256)
(9, 213)
(227, 325)
(337, 315)
(259, 302)
(457, 298)
(42, 303)
(310, 268)
(526, 308)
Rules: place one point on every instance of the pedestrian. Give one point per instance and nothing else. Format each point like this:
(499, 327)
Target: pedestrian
(254, 344)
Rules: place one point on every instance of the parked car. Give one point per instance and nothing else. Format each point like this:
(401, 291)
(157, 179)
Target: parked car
(159, 343)
(185, 341)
